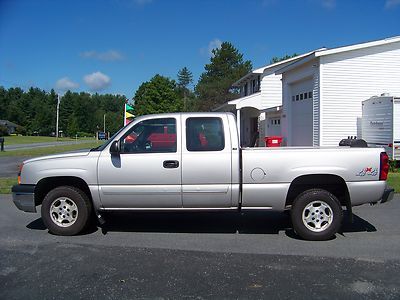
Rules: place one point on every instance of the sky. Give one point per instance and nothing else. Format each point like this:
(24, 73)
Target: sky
(113, 46)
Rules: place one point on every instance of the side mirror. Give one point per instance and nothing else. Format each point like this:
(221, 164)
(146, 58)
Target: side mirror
(115, 147)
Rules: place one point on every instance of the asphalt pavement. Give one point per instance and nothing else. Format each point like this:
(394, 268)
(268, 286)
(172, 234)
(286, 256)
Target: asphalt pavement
(200, 255)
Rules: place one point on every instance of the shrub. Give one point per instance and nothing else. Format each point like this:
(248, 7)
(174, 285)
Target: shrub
(3, 130)
(84, 134)
(20, 130)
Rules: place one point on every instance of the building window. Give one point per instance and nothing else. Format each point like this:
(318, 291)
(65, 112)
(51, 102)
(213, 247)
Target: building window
(297, 97)
(245, 89)
(258, 83)
(310, 94)
(305, 95)
(301, 96)
(254, 89)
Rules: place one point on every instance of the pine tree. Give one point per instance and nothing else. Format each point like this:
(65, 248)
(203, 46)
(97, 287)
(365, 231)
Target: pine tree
(215, 84)
(185, 77)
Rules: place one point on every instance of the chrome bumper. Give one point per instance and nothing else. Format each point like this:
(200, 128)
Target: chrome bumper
(24, 197)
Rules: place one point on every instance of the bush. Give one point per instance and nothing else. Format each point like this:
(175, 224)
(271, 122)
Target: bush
(20, 130)
(3, 130)
(84, 134)
(394, 165)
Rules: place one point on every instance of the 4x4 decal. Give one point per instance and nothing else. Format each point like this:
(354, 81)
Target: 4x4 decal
(369, 171)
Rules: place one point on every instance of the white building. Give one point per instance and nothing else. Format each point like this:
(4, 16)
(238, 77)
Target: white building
(323, 91)
(259, 106)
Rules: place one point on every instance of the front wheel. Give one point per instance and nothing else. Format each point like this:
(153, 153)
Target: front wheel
(316, 215)
(66, 210)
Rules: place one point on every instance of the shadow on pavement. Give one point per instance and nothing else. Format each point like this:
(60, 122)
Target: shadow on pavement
(260, 222)
(39, 225)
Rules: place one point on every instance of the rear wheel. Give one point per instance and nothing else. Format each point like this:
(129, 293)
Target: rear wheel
(66, 210)
(316, 215)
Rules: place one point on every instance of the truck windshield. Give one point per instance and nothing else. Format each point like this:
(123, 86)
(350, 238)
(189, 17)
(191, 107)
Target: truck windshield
(101, 147)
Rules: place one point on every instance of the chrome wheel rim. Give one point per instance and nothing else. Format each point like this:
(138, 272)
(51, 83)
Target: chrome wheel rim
(317, 216)
(63, 212)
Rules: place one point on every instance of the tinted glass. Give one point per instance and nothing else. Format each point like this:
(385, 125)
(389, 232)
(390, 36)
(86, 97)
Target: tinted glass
(204, 134)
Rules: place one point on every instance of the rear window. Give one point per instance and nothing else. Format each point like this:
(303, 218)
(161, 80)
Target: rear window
(204, 134)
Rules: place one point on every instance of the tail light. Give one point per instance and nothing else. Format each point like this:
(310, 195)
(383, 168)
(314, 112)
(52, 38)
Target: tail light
(384, 166)
(19, 172)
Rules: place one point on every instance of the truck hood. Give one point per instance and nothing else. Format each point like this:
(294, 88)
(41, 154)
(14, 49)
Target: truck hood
(55, 156)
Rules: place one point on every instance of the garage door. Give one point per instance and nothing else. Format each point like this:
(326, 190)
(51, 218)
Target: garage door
(302, 113)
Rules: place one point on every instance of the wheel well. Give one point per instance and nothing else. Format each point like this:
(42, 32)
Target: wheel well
(332, 183)
(45, 185)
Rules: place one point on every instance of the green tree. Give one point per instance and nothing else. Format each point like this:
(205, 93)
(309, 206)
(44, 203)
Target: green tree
(276, 59)
(158, 95)
(185, 78)
(215, 84)
(4, 102)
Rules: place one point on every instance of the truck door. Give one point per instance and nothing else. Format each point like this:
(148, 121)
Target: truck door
(206, 162)
(147, 172)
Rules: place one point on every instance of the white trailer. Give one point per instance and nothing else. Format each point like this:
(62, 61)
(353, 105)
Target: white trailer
(381, 123)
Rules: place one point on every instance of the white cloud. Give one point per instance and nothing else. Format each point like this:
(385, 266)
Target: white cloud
(391, 3)
(110, 55)
(214, 44)
(97, 81)
(65, 84)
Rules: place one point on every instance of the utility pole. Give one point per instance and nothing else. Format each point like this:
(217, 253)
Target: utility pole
(58, 110)
(104, 123)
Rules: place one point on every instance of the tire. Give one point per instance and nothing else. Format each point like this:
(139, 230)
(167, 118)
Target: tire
(310, 204)
(66, 210)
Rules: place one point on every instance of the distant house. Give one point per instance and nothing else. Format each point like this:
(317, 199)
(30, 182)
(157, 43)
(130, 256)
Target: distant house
(259, 103)
(11, 127)
(323, 91)
(315, 99)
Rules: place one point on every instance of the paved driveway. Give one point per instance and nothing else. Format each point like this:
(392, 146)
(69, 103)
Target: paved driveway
(200, 255)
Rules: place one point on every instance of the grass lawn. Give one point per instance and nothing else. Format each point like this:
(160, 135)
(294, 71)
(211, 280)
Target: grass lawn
(394, 181)
(51, 150)
(19, 139)
(6, 183)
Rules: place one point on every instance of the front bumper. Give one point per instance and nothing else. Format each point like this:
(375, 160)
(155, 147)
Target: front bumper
(387, 195)
(24, 197)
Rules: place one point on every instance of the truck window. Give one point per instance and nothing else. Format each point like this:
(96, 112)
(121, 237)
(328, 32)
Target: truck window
(151, 136)
(204, 134)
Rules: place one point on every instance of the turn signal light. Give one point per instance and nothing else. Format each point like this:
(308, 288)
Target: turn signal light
(19, 172)
(384, 166)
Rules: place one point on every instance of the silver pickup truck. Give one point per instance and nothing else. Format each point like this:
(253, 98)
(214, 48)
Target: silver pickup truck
(193, 161)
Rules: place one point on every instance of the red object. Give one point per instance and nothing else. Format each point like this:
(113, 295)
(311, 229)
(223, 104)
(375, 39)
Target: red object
(273, 141)
(384, 166)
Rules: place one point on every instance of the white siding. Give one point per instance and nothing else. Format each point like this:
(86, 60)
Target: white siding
(316, 107)
(348, 79)
(271, 90)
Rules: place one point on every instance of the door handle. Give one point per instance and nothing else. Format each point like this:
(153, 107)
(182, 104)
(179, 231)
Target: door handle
(170, 164)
